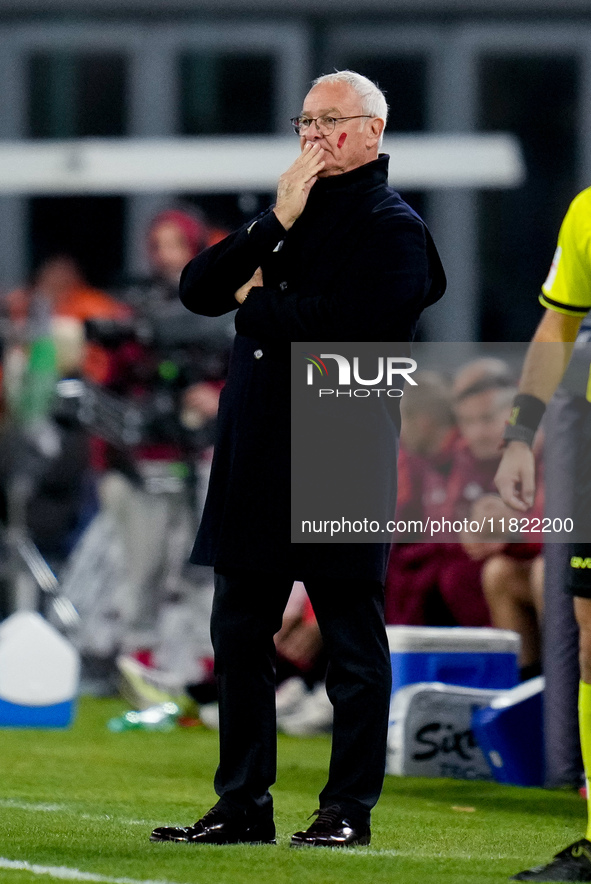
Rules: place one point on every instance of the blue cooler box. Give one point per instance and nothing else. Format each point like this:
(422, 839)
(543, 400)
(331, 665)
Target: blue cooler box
(476, 657)
(510, 732)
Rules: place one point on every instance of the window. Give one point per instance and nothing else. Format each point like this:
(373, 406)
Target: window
(226, 93)
(403, 80)
(535, 98)
(76, 94)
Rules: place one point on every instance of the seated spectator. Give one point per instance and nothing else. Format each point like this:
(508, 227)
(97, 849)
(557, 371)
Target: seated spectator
(512, 576)
(512, 580)
(486, 368)
(298, 642)
(427, 440)
(303, 707)
(438, 584)
(417, 571)
(514, 590)
(428, 422)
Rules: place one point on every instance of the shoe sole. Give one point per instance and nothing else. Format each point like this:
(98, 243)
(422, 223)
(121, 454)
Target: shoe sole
(218, 843)
(249, 838)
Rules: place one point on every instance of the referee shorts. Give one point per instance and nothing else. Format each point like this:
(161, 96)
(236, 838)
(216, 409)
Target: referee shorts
(579, 571)
(579, 576)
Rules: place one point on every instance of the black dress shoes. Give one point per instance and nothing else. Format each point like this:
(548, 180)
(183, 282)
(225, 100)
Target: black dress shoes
(332, 828)
(218, 826)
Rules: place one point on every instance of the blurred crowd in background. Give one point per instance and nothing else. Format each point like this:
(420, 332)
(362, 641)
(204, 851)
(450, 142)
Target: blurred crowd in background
(108, 419)
(107, 475)
(109, 404)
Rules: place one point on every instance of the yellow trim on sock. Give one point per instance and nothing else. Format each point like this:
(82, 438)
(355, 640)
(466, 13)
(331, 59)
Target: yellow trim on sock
(585, 732)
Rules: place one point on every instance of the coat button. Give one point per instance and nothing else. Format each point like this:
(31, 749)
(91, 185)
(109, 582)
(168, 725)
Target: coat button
(282, 286)
(258, 354)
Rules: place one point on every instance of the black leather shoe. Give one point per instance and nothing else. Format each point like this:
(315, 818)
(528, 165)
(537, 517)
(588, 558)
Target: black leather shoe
(220, 827)
(332, 828)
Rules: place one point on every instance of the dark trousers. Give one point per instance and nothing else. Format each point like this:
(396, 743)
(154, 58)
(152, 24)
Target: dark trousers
(247, 612)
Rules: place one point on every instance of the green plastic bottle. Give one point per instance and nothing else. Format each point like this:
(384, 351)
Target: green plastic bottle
(162, 717)
(40, 377)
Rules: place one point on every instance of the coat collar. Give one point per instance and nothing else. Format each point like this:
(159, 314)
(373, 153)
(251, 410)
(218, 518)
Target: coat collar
(361, 179)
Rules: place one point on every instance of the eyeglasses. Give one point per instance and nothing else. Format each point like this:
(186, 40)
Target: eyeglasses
(325, 125)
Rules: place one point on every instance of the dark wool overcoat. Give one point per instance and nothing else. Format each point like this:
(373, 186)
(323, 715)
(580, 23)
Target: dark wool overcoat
(357, 265)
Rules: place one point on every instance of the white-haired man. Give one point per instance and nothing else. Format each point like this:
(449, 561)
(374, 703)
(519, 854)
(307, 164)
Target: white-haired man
(338, 257)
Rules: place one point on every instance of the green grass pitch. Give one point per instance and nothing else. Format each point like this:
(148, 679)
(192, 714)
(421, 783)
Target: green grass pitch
(79, 805)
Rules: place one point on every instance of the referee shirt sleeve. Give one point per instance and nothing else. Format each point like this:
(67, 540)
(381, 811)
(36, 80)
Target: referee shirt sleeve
(567, 288)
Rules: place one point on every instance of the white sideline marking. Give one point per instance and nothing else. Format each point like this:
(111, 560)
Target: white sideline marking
(66, 874)
(66, 808)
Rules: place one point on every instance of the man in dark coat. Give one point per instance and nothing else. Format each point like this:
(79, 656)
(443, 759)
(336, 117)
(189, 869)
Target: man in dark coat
(339, 257)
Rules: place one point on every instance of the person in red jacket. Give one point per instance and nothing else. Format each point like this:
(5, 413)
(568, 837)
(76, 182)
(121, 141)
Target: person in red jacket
(463, 580)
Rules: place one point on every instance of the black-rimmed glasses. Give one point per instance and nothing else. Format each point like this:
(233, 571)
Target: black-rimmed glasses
(325, 125)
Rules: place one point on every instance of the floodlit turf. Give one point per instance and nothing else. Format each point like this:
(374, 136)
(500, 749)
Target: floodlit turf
(79, 805)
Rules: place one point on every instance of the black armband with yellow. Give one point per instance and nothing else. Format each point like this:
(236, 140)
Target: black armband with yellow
(526, 414)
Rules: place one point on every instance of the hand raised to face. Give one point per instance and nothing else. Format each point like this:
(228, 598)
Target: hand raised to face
(296, 183)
